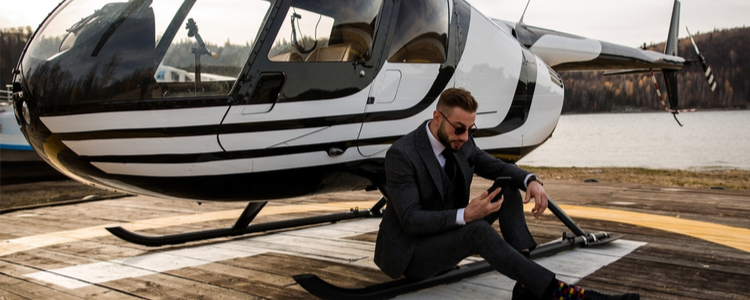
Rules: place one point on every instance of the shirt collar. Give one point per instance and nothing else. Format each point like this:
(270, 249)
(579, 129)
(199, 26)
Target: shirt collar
(437, 146)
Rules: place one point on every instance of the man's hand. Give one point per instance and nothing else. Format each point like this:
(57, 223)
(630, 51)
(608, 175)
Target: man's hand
(481, 206)
(536, 191)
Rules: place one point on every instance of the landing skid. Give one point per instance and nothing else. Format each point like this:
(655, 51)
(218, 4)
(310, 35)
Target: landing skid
(579, 238)
(242, 226)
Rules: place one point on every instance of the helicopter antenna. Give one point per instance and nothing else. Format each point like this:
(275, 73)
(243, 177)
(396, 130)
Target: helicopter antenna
(524, 12)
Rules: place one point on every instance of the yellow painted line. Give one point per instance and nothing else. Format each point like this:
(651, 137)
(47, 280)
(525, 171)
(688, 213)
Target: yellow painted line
(47, 239)
(738, 238)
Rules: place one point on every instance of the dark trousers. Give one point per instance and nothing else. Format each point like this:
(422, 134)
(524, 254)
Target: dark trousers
(440, 252)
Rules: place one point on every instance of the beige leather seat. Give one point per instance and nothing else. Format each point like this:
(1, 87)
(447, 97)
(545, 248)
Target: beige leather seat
(338, 52)
(289, 56)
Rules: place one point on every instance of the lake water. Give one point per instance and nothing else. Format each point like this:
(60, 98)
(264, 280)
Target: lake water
(708, 140)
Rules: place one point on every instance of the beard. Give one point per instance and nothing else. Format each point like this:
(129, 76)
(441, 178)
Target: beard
(443, 138)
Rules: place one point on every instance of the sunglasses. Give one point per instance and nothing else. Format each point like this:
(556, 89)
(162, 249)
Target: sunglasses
(460, 130)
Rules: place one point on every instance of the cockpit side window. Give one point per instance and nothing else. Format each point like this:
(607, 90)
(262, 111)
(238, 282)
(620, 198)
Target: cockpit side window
(138, 50)
(326, 31)
(212, 45)
(421, 34)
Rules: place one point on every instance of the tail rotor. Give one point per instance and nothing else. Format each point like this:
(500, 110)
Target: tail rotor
(706, 69)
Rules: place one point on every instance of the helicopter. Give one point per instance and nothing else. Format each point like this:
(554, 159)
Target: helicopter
(274, 99)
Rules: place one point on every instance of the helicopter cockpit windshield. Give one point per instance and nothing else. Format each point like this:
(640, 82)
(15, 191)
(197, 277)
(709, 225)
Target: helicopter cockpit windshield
(94, 51)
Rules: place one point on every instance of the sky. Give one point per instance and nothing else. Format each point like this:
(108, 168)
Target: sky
(629, 23)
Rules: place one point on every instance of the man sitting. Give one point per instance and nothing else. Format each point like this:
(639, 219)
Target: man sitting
(430, 225)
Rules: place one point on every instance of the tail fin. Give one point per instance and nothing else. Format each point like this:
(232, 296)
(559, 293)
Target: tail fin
(674, 31)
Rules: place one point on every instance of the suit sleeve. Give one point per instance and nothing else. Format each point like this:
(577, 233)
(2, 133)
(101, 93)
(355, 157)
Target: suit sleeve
(404, 196)
(489, 167)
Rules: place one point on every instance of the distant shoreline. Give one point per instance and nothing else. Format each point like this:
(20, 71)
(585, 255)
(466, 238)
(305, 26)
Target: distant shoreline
(647, 110)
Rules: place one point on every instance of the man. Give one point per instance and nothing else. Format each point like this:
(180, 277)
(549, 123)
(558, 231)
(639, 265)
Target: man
(430, 225)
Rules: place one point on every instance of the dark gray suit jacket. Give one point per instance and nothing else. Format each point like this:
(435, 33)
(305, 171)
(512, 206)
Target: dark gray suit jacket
(416, 187)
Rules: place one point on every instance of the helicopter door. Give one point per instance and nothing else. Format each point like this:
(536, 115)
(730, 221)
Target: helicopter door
(397, 101)
(308, 82)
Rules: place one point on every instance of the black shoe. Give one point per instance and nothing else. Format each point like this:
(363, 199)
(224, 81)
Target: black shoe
(522, 293)
(594, 295)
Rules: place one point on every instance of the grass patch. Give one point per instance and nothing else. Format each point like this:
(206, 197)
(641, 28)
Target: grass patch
(726, 178)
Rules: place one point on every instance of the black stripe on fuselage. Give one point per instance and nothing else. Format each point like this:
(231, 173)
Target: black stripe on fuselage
(219, 156)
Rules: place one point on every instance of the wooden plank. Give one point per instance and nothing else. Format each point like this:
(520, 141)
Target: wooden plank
(346, 275)
(243, 280)
(97, 250)
(222, 268)
(5, 236)
(44, 259)
(679, 281)
(7, 295)
(28, 290)
(165, 286)
(89, 292)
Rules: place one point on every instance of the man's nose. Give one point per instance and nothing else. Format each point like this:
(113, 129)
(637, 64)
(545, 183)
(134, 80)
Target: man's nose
(464, 136)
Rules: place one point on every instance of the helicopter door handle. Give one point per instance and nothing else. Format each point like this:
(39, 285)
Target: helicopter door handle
(361, 63)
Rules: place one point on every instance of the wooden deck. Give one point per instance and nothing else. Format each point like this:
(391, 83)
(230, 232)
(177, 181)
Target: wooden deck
(680, 244)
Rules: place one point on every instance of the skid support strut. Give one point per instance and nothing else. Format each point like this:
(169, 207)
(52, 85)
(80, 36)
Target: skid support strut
(242, 226)
(580, 238)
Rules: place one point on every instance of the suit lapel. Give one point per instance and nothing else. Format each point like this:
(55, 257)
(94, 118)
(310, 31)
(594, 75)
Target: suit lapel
(424, 149)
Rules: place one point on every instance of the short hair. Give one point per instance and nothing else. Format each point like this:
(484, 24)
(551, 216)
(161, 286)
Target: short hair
(457, 97)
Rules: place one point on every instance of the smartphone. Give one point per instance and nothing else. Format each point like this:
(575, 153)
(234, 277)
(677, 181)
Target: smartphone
(500, 182)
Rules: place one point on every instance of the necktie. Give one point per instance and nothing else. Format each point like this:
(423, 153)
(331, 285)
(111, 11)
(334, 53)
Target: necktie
(449, 167)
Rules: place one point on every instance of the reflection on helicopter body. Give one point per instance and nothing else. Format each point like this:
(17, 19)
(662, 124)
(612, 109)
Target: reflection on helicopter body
(172, 74)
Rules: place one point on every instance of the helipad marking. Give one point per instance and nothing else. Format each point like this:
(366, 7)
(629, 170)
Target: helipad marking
(323, 242)
(570, 266)
(735, 237)
(74, 277)
(48, 239)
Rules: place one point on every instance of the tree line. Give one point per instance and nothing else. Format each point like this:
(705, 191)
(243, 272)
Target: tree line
(12, 41)
(725, 52)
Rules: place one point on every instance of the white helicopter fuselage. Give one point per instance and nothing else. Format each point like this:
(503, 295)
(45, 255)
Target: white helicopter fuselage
(290, 122)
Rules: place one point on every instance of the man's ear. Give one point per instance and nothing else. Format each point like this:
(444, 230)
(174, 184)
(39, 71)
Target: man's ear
(436, 116)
